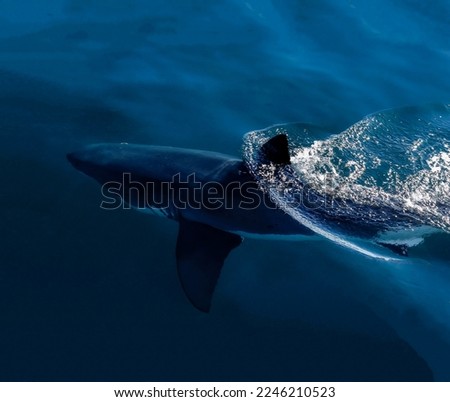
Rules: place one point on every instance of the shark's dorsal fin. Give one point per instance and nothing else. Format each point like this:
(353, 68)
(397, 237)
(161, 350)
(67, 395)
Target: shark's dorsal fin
(201, 252)
(276, 150)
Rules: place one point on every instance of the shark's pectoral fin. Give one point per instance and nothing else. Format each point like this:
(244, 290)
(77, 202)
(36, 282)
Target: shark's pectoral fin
(201, 252)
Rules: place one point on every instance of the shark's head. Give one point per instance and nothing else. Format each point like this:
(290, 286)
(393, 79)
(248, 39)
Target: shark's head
(106, 162)
(99, 161)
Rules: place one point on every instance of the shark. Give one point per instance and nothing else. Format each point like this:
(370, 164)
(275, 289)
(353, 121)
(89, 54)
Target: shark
(213, 197)
(218, 202)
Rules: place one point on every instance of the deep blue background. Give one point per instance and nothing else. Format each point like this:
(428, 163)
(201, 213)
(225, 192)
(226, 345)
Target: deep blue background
(87, 294)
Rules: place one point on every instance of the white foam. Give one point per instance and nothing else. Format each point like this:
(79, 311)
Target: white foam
(410, 237)
(338, 239)
(392, 169)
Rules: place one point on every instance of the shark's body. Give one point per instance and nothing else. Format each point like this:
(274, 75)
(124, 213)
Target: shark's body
(216, 202)
(212, 196)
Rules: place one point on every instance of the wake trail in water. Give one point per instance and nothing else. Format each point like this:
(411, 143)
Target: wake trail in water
(386, 178)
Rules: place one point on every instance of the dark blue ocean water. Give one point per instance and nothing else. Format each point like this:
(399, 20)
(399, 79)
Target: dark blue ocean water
(88, 294)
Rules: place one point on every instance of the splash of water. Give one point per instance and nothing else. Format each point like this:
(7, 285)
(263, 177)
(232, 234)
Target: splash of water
(388, 172)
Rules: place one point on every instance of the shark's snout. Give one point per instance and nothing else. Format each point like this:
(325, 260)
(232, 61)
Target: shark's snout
(100, 161)
(73, 159)
(82, 160)
(76, 159)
